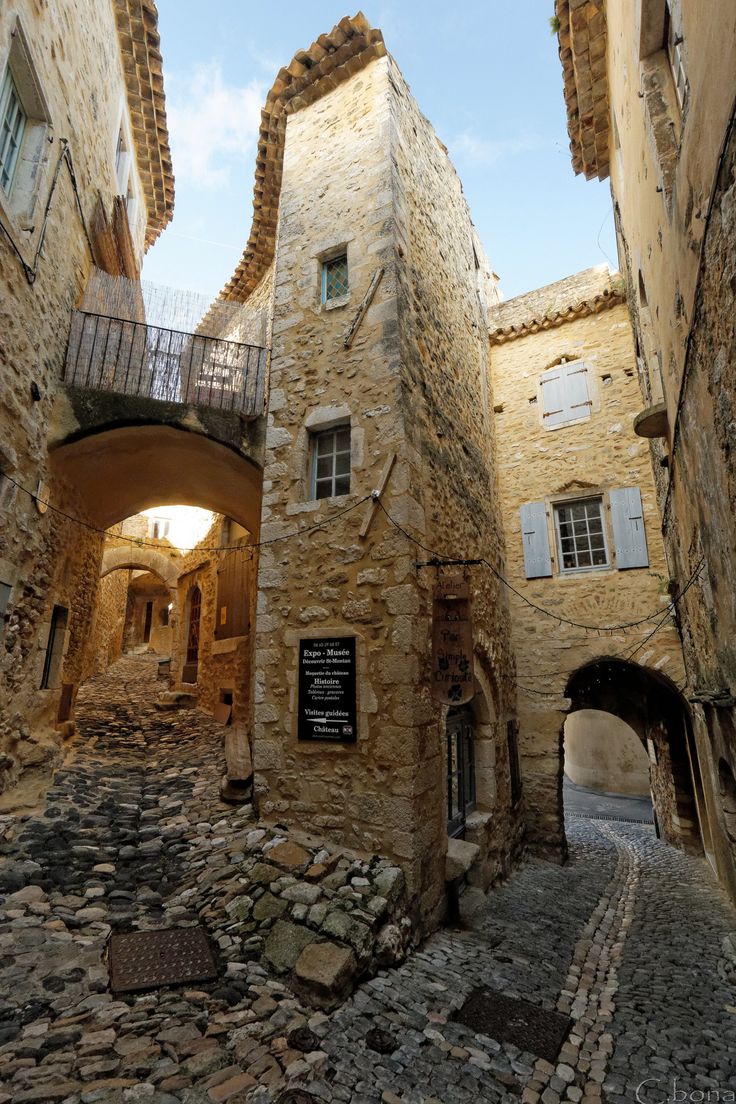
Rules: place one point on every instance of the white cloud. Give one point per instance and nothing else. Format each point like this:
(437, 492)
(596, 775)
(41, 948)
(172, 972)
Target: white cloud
(212, 125)
(483, 151)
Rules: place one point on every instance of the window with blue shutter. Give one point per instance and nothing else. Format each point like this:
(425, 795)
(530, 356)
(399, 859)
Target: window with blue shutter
(535, 539)
(627, 522)
(565, 394)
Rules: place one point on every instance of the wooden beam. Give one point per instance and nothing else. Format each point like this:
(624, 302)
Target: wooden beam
(364, 305)
(373, 506)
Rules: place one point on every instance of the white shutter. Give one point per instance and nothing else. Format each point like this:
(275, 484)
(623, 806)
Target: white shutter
(628, 528)
(576, 393)
(535, 538)
(553, 402)
(565, 394)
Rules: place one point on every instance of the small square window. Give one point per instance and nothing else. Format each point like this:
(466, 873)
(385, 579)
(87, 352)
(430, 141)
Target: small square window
(24, 123)
(581, 536)
(331, 463)
(158, 528)
(12, 127)
(672, 43)
(335, 278)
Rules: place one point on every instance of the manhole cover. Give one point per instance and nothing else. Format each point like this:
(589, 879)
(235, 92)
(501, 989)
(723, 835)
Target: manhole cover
(147, 959)
(301, 1038)
(509, 1020)
(381, 1041)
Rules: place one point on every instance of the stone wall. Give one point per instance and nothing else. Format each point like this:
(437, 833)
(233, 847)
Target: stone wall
(587, 458)
(603, 753)
(672, 171)
(106, 636)
(225, 665)
(45, 558)
(364, 172)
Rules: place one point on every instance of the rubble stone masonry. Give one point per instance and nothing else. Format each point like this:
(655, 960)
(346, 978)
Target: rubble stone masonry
(76, 62)
(586, 458)
(364, 173)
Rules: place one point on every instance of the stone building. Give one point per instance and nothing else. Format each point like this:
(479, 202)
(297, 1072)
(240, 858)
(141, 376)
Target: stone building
(85, 179)
(365, 274)
(649, 87)
(583, 543)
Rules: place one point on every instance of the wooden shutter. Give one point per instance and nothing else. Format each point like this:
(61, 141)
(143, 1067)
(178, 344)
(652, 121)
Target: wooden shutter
(628, 528)
(535, 538)
(575, 389)
(553, 400)
(565, 394)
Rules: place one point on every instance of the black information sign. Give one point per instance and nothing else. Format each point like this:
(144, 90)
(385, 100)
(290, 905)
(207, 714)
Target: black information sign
(327, 690)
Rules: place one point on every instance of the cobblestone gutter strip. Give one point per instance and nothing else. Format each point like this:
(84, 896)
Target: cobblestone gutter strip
(588, 995)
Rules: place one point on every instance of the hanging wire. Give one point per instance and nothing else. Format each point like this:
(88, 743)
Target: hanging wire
(140, 542)
(540, 609)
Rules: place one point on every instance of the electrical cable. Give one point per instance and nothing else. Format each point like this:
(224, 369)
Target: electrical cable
(140, 542)
(561, 619)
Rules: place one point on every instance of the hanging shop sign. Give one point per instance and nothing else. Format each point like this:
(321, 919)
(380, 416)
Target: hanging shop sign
(452, 642)
(327, 690)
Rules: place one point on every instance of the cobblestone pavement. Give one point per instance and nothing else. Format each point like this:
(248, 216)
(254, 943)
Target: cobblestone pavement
(633, 940)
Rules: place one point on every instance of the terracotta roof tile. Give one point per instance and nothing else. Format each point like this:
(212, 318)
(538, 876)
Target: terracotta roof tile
(137, 23)
(312, 73)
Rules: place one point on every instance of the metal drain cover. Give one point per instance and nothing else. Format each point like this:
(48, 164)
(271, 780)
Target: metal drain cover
(148, 959)
(509, 1020)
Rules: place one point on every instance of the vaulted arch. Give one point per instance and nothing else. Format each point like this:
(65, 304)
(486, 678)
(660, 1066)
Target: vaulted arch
(140, 558)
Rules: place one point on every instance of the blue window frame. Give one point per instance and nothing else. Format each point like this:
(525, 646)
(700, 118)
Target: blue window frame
(335, 278)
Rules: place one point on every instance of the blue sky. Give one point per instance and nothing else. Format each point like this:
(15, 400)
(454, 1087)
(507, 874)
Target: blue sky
(486, 74)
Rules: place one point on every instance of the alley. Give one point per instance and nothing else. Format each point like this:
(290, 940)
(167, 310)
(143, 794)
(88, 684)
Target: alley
(632, 939)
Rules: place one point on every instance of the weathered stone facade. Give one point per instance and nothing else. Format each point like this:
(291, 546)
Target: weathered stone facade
(413, 387)
(74, 75)
(582, 321)
(662, 104)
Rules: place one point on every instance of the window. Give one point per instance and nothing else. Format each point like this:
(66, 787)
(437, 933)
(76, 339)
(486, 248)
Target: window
(335, 278)
(583, 537)
(124, 169)
(672, 44)
(565, 394)
(581, 541)
(331, 462)
(54, 648)
(159, 528)
(12, 126)
(24, 120)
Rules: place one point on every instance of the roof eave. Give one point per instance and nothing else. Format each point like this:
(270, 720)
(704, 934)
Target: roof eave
(582, 40)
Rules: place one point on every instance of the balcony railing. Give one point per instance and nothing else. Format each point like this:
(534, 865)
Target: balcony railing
(135, 358)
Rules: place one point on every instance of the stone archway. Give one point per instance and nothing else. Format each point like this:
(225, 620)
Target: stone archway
(140, 558)
(650, 704)
(121, 470)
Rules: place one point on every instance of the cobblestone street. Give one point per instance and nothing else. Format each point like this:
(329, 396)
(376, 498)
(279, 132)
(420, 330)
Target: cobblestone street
(632, 939)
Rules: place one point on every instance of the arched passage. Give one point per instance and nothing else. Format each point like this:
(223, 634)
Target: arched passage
(121, 471)
(136, 604)
(652, 706)
(139, 558)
